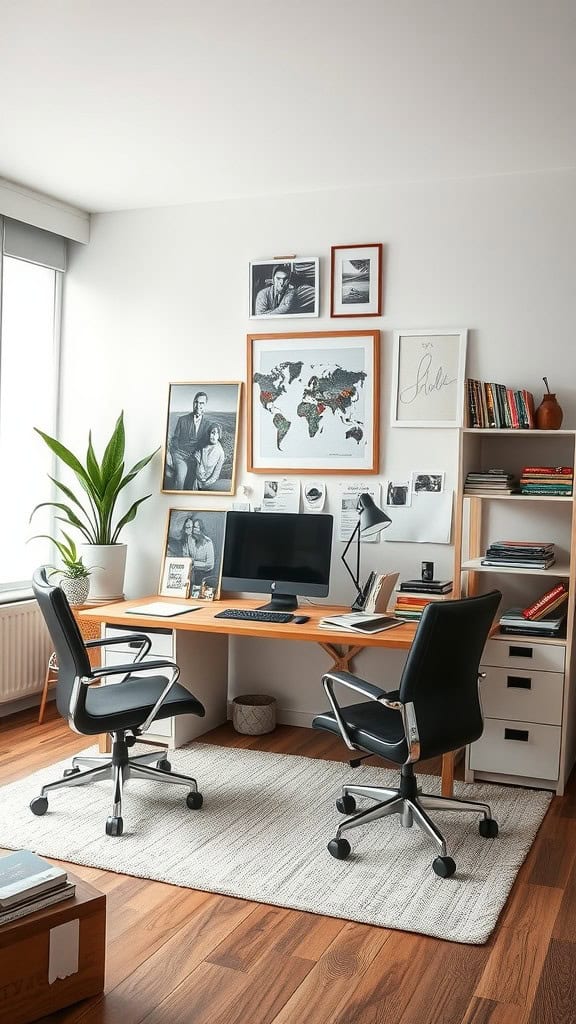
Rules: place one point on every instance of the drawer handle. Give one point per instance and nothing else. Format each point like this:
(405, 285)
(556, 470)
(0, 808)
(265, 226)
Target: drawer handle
(516, 734)
(519, 682)
(520, 652)
(134, 643)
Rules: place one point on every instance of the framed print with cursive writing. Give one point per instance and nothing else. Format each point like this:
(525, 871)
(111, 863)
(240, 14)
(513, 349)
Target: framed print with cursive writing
(428, 379)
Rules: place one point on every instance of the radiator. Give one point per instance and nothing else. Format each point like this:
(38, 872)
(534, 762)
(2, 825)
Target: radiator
(25, 647)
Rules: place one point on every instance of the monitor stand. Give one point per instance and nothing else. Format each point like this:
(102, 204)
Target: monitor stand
(280, 603)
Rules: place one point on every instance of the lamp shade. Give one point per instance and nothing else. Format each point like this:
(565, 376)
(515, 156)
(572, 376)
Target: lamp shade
(372, 518)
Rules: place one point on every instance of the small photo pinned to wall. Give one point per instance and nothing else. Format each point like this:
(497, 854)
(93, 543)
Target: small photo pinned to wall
(313, 495)
(284, 288)
(427, 483)
(398, 492)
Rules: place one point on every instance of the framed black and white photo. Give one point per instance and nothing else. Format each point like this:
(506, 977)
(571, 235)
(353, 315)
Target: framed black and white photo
(201, 437)
(313, 402)
(356, 280)
(284, 288)
(198, 535)
(428, 378)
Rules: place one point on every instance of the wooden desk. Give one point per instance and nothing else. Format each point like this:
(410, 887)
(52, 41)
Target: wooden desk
(340, 647)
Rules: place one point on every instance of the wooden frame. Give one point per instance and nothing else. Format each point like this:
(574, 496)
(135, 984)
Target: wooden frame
(428, 378)
(356, 291)
(298, 367)
(221, 409)
(176, 546)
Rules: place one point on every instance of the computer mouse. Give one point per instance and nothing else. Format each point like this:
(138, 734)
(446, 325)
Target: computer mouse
(299, 620)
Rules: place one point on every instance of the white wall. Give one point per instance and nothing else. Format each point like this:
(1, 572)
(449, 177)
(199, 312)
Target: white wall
(161, 295)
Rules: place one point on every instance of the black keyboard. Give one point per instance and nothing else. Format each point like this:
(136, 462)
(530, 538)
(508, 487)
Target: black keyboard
(254, 615)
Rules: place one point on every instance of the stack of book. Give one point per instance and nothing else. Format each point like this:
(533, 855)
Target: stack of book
(29, 883)
(545, 617)
(495, 405)
(493, 481)
(520, 554)
(414, 595)
(555, 481)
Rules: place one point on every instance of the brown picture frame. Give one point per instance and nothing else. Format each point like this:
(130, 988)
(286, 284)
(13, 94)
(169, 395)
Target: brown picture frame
(182, 471)
(356, 294)
(298, 371)
(202, 578)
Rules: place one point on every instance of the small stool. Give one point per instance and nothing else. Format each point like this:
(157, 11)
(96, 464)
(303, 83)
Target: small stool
(90, 631)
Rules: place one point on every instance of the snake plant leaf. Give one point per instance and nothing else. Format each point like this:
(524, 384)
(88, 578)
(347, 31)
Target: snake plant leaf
(93, 467)
(114, 452)
(130, 515)
(66, 490)
(63, 453)
(136, 469)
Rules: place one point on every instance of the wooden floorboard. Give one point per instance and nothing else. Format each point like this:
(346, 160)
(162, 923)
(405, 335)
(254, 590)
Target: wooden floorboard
(178, 956)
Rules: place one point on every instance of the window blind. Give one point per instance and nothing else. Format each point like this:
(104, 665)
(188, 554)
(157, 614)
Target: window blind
(24, 242)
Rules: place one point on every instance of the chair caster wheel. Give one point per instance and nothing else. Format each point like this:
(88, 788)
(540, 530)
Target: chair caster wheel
(70, 771)
(39, 805)
(346, 804)
(488, 828)
(164, 765)
(444, 866)
(194, 801)
(114, 826)
(339, 848)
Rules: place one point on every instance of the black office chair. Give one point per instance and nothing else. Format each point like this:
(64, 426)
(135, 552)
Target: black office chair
(125, 709)
(436, 710)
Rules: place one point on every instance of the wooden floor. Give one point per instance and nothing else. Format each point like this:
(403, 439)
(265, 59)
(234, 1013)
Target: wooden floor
(177, 956)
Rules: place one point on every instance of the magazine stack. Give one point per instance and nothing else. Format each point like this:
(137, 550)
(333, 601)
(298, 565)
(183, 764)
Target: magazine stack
(520, 554)
(554, 481)
(545, 617)
(29, 883)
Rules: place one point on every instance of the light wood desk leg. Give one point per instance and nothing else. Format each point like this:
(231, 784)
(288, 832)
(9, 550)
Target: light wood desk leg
(105, 743)
(448, 774)
(341, 659)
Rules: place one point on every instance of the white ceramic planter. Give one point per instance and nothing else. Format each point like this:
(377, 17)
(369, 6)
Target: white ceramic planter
(107, 564)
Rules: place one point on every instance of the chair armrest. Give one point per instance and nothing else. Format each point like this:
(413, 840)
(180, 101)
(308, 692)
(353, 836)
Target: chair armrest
(138, 639)
(128, 670)
(360, 686)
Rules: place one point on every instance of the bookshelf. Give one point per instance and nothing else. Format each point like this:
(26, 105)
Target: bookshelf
(529, 694)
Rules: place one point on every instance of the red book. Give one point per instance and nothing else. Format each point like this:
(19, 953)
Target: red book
(544, 470)
(542, 605)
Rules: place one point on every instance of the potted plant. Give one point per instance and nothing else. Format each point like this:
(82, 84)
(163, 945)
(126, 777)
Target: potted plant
(94, 516)
(75, 576)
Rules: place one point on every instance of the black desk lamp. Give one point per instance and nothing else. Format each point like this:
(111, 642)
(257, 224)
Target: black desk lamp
(371, 520)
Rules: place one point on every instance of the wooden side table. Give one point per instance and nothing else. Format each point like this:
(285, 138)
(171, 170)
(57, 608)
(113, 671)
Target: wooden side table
(90, 630)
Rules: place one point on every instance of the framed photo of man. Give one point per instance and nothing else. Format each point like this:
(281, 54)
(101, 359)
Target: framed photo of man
(197, 535)
(284, 288)
(201, 437)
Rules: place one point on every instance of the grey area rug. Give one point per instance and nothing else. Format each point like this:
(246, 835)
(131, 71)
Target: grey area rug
(262, 834)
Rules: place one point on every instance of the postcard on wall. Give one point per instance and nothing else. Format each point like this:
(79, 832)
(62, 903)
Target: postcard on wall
(427, 483)
(281, 496)
(313, 402)
(348, 508)
(313, 495)
(398, 492)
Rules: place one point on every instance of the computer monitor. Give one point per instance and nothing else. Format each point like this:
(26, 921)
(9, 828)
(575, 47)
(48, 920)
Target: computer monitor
(283, 554)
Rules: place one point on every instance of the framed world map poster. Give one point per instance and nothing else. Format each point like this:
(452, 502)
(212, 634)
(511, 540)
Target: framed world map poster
(313, 402)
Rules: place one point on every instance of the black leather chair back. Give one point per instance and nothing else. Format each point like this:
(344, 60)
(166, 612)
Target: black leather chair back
(67, 639)
(441, 673)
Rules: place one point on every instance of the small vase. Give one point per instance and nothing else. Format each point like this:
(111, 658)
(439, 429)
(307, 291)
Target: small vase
(548, 415)
(76, 588)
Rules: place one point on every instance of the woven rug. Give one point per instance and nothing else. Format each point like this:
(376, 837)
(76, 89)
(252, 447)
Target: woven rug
(262, 834)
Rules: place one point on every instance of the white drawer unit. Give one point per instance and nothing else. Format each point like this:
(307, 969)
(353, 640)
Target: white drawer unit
(203, 663)
(518, 652)
(517, 748)
(521, 695)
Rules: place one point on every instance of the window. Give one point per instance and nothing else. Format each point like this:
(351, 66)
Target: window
(29, 371)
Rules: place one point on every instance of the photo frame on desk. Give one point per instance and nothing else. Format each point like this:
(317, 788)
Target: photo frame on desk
(313, 402)
(428, 378)
(196, 534)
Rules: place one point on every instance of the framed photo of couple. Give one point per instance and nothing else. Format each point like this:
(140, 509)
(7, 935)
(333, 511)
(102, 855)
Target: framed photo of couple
(192, 556)
(201, 437)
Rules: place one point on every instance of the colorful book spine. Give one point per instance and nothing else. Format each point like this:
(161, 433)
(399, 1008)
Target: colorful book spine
(543, 603)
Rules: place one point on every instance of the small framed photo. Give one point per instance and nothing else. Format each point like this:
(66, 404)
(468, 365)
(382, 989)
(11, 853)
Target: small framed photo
(175, 581)
(356, 280)
(428, 378)
(195, 537)
(201, 437)
(313, 402)
(284, 288)
(398, 492)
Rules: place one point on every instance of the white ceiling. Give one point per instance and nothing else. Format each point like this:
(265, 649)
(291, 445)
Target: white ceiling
(115, 104)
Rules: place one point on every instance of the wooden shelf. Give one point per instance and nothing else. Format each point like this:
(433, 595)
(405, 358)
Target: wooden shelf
(475, 565)
(522, 497)
(512, 432)
(517, 638)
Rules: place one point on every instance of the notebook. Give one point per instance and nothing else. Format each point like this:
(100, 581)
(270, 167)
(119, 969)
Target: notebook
(163, 609)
